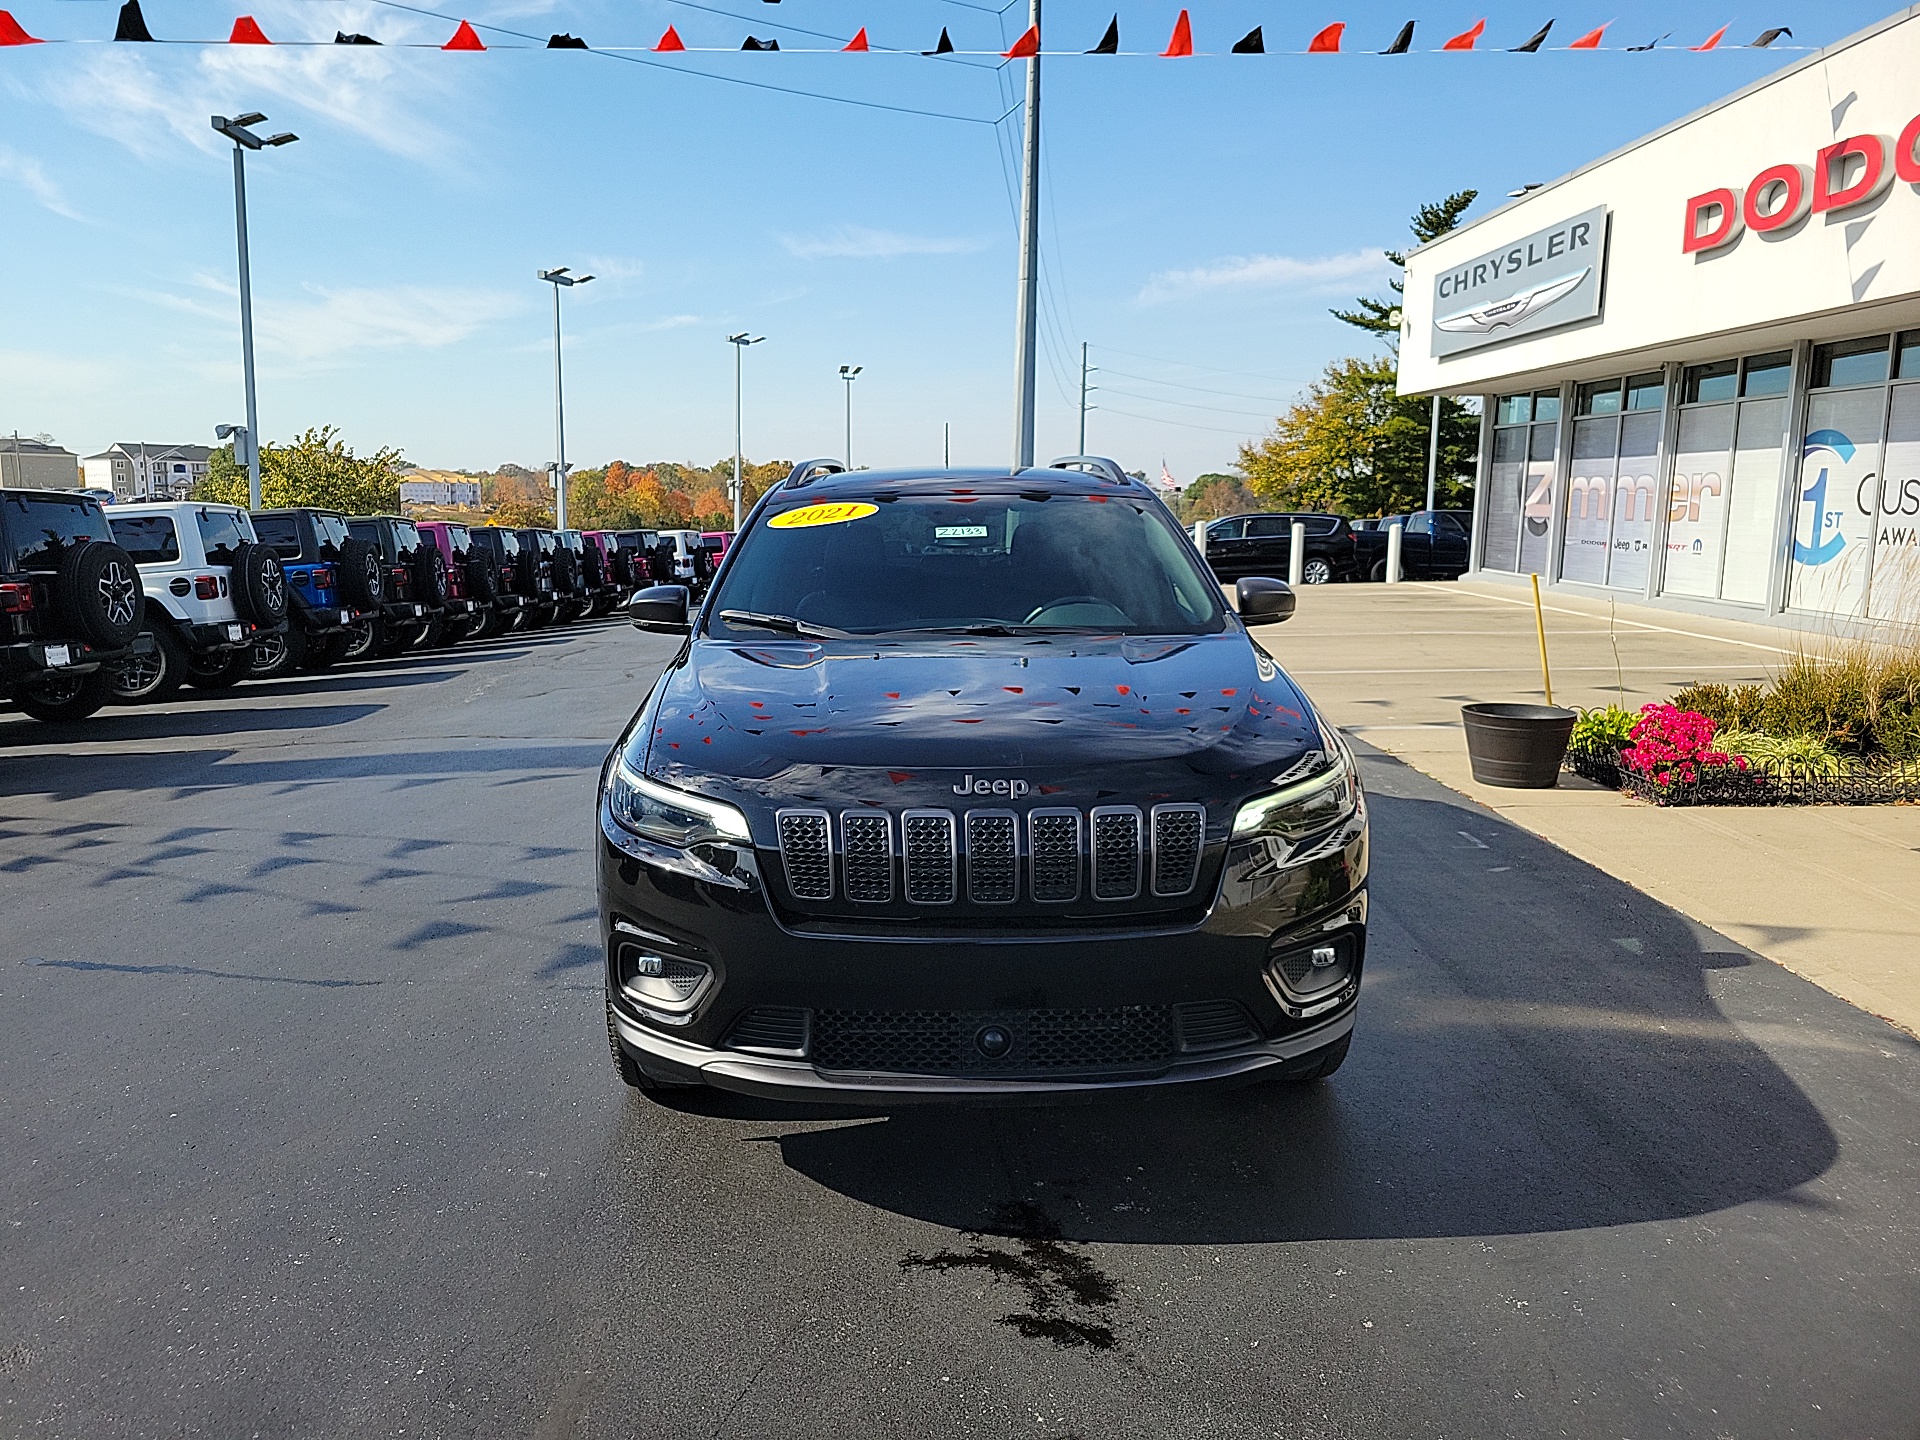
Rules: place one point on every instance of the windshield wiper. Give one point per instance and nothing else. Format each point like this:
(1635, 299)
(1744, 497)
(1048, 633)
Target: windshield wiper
(785, 624)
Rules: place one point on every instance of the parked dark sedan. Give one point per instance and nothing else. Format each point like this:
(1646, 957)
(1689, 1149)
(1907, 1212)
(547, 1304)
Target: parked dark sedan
(1263, 545)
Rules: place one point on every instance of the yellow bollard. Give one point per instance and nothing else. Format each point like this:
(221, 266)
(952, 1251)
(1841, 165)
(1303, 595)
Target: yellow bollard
(1540, 628)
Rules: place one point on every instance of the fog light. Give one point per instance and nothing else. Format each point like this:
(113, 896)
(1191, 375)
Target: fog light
(654, 965)
(663, 983)
(1310, 973)
(1325, 955)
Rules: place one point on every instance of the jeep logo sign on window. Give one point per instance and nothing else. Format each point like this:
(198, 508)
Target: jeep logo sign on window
(1549, 278)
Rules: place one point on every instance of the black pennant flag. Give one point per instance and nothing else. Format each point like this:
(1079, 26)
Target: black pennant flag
(945, 47)
(1532, 46)
(1402, 42)
(563, 41)
(1632, 49)
(1767, 37)
(340, 37)
(1109, 42)
(133, 25)
(752, 44)
(1251, 43)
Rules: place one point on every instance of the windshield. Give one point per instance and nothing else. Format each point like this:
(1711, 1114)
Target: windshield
(1097, 563)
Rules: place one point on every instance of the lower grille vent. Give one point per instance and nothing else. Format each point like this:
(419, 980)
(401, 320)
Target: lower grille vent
(770, 1030)
(1008, 1042)
(1214, 1025)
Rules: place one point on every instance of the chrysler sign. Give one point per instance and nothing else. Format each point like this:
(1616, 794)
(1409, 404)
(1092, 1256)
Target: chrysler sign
(1550, 278)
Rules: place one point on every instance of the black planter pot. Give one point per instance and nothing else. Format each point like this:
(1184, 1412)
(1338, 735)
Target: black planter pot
(1519, 747)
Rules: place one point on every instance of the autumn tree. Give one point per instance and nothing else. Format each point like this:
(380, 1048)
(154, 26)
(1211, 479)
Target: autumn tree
(317, 469)
(1214, 495)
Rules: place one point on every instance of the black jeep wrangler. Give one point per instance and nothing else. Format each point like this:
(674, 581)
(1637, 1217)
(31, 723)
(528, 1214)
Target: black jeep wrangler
(499, 550)
(416, 581)
(71, 603)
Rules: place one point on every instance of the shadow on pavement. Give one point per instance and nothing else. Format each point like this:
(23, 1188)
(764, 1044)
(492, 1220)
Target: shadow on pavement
(135, 724)
(1536, 1051)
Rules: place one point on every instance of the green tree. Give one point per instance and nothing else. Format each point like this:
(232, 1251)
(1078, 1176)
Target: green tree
(317, 469)
(1213, 495)
(1354, 446)
(1430, 222)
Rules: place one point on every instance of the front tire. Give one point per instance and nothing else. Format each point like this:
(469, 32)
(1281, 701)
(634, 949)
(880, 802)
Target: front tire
(629, 1069)
(1317, 571)
(58, 698)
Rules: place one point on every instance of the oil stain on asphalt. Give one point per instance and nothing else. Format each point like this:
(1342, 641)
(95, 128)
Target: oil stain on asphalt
(1069, 1298)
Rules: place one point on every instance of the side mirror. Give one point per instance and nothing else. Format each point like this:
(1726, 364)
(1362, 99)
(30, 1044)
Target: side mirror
(1262, 601)
(660, 608)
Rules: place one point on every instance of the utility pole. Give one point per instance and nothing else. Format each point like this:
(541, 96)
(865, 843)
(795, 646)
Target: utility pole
(739, 343)
(558, 277)
(847, 373)
(244, 140)
(946, 445)
(1433, 452)
(1083, 399)
(1027, 330)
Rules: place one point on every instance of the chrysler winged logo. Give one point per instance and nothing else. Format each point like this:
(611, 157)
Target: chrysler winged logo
(1504, 314)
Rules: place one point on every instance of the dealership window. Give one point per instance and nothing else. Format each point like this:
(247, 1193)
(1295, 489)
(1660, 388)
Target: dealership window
(1725, 488)
(1856, 540)
(1611, 488)
(1519, 510)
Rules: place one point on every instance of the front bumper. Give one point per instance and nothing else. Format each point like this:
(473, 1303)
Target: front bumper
(760, 962)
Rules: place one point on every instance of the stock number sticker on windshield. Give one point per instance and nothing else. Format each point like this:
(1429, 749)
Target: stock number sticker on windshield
(959, 532)
(810, 515)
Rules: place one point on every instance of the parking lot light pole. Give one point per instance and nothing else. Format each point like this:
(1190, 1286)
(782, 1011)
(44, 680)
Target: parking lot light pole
(739, 343)
(558, 277)
(244, 139)
(847, 373)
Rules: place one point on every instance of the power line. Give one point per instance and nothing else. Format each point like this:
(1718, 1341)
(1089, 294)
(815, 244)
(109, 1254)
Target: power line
(1181, 404)
(1183, 424)
(1193, 365)
(1197, 389)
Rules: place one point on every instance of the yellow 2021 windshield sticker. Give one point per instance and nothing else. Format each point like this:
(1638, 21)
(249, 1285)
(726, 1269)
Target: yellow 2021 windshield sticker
(810, 515)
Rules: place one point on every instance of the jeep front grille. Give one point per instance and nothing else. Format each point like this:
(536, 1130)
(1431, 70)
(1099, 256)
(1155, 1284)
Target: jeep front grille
(927, 838)
(807, 853)
(1128, 852)
(993, 857)
(866, 838)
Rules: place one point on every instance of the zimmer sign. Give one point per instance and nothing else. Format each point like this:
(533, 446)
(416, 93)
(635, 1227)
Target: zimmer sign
(1541, 281)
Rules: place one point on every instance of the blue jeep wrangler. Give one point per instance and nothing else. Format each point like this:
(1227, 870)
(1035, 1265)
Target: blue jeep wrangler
(336, 585)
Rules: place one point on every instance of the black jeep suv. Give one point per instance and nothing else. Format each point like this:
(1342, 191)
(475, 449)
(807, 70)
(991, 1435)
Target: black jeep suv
(968, 784)
(414, 605)
(70, 603)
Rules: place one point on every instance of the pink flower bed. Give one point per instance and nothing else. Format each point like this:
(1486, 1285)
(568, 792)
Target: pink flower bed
(1675, 747)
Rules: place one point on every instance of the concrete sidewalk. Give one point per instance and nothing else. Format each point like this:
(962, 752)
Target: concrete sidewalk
(1830, 892)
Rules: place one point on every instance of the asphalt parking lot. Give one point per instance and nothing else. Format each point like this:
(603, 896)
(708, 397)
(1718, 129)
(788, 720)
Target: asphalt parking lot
(307, 1127)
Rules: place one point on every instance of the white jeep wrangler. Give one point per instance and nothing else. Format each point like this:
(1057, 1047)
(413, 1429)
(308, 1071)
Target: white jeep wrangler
(212, 589)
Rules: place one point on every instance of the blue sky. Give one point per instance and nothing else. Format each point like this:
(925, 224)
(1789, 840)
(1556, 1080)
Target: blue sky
(1201, 215)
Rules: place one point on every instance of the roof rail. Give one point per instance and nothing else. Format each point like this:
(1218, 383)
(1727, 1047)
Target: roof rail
(1100, 465)
(808, 471)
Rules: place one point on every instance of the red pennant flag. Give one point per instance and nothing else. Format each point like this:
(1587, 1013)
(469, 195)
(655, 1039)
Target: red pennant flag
(1590, 40)
(1464, 40)
(670, 41)
(246, 31)
(1182, 41)
(1712, 40)
(1026, 47)
(12, 34)
(1327, 42)
(858, 42)
(464, 39)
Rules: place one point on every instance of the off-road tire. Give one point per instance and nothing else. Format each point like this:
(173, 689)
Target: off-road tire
(360, 640)
(140, 679)
(392, 640)
(526, 571)
(429, 575)
(273, 656)
(98, 592)
(566, 572)
(221, 670)
(259, 586)
(324, 651)
(593, 568)
(362, 576)
(58, 698)
(435, 635)
(483, 579)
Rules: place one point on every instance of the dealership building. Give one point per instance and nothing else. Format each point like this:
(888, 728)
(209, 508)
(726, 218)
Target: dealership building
(1699, 357)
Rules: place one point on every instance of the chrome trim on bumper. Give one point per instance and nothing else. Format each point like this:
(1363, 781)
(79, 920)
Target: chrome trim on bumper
(776, 1079)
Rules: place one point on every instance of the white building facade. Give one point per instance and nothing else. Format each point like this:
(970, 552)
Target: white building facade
(1700, 356)
(136, 470)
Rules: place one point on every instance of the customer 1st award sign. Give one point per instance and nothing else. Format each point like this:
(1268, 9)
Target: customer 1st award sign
(1541, 281)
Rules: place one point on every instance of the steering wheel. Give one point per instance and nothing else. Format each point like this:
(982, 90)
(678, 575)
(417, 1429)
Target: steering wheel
(1040, 610)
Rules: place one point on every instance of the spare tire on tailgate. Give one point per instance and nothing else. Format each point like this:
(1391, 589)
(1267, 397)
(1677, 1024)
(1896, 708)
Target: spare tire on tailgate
(98, 591)
(593, 567)
(483, 577)
(429, 575)
(526, 570)
(361, 579)
(259, 586)
(566, 571)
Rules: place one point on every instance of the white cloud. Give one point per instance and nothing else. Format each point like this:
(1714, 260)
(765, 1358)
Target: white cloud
(27, 173)
(857, 242)
(1264, 272)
